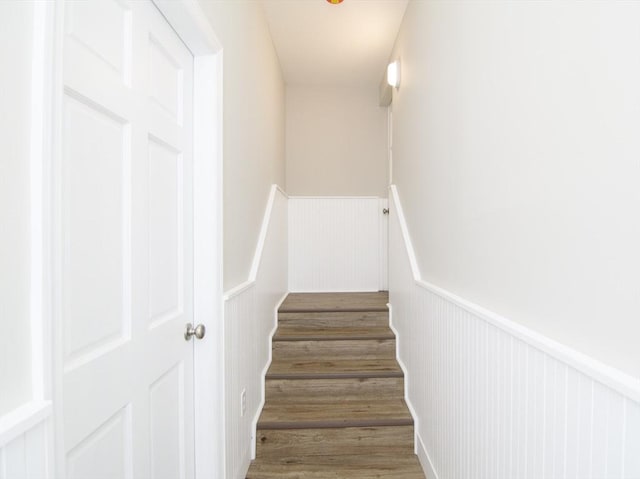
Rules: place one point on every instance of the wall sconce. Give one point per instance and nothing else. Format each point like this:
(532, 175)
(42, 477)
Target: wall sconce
(393, 74)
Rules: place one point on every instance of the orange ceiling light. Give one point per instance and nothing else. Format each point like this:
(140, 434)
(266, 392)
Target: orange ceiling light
(335, 2)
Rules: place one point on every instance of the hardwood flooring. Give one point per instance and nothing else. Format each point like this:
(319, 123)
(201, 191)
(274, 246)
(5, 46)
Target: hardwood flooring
(334, 405)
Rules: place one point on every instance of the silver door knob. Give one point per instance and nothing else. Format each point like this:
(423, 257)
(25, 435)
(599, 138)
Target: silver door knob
(190, 331)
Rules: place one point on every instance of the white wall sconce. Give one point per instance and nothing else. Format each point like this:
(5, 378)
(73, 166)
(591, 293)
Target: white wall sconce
(393, 74)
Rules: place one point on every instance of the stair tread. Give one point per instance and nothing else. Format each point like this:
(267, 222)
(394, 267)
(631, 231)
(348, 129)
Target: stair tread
(350, 367)
(373, 440)
(335, 349)
(293, 415)
(363, 466)
(309, 302)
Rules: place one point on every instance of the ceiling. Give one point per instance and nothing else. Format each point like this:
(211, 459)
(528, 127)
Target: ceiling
(335, 45)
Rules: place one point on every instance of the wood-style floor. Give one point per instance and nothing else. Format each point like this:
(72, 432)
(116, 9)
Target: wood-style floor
(334, 404)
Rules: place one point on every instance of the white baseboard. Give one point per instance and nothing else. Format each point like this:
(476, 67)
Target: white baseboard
(254, 423)
(425, 460)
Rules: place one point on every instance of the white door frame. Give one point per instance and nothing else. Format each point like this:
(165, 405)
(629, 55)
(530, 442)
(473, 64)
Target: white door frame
(190, 23)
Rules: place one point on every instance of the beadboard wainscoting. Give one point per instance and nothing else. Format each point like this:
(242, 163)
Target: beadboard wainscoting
(250, 319)
(337, 244)
(492, 399)
(26, 446)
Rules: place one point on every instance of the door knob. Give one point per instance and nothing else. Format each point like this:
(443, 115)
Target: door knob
(189, 331)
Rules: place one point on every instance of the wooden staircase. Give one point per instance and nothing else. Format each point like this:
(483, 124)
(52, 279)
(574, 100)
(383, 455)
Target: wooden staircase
(334, 404)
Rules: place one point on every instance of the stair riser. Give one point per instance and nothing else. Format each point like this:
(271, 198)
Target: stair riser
(335, 349)
(389, 440)
(320, 390)
(344, 317)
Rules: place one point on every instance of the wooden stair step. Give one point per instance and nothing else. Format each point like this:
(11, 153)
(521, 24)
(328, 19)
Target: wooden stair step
(405, 466)
(290, 443)
(333, 368)
(342, 326)
(335, 349)
(291, 415)
(334, 394)
(323, 320)
(309, 302)
(328, 329)
(303, 391)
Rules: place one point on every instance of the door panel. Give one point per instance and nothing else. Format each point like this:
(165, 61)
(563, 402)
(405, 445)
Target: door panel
(108, 446)
(99, 33)
(96, 167)
(166, 256)
(166, 400)
(166, 80)
(126, 235)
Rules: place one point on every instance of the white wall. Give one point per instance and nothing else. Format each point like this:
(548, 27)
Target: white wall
(16, 30)
(250, 319)
(494, 400)
(253, 127)
(516, 153)
(336, 142)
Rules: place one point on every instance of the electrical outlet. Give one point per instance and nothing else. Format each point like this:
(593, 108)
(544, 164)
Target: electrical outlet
(243, 402)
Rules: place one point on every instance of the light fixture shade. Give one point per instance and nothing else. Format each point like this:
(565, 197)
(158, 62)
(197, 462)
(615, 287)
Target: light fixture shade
(393, 74)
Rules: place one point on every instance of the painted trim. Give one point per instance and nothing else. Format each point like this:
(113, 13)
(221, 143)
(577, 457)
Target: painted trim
(418, 444)
(22, 419)
(266, 221)
(190, 23)
(238, 290)
(405, 233)
(208, 254)
(425, 460)
(383, 245)
(55, 196)
(263, 378)
(40, 151)
(262, 238)
(403, 367)
(611, 377)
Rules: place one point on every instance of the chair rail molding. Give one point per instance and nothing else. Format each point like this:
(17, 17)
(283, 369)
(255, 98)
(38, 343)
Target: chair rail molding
(493, 399)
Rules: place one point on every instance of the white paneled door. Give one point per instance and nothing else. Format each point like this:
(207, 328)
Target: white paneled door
(125, 235)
